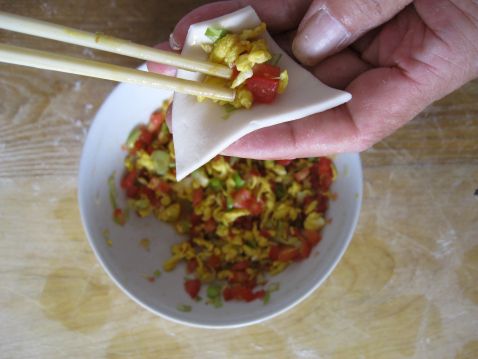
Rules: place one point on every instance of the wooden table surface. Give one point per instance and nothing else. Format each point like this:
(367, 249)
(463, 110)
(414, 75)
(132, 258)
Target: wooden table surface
(407, 286)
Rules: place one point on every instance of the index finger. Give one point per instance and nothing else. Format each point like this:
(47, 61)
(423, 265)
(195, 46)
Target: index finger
(279, 15)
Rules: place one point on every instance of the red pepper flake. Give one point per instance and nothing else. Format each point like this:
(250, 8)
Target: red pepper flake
(150, 278)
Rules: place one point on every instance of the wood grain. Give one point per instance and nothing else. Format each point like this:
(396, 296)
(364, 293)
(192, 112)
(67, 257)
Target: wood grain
(406, 287)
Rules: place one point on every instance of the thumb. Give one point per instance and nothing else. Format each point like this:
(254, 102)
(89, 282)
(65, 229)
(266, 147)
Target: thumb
(331, 25)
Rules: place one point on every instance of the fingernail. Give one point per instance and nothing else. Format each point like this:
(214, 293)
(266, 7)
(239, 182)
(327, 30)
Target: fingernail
(319, 37)
(173, 43)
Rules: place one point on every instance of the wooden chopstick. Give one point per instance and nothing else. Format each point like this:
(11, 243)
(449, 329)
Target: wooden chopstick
(103, 42)
(62, 63)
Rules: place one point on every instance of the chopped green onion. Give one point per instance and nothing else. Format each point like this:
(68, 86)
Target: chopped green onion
(213, 291)
(184, 308)
(274, 61)
(215, 183)
(229, 203)
(163, 136)
(238, 180)
(215, 34)
(251, 244)
(217, 302)
(112, 188)
(273, 287)
(133, 137)
(183, 226)
(157, 273)
(280, 191)
(214, 295)
(229, 109)
(160, 162)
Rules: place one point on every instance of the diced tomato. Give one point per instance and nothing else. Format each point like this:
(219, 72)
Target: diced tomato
(322, 204)
(132, 191)
(239, 277)
(244, 222)
(192, 265)
(255, 207)
(241, 198)
(260, 294)
(195, 219)
(156, 119)
(210, 226)
(325, 166)
(146, 137)
(274, 252)
(265, 233)
(245, 294)
(164, 187)
(235, 72)
(197, 196)
(325, 182)
(129, 179)
(227, 294)
(267, 71)
(150, 149)
(302, 174)
(119, 216)
(263, 90)
(238, 292)
(312, 237)
(283, 162)
(214, 262)
(241, 265)
(287, 254)
(304, 249)
(192, 287)
(149, 193)
(139, 145)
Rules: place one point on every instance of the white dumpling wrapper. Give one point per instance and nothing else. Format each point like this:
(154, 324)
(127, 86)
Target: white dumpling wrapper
(200, 131)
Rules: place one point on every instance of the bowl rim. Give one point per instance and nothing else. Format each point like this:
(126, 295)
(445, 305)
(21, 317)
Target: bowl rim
(192, 323)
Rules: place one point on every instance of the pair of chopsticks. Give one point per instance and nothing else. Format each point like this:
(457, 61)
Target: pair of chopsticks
(62, 63)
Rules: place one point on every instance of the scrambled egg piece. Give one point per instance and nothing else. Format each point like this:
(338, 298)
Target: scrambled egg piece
(170, 213)
(232, 215)
(227, 49)
(253, 33)
(314, 221)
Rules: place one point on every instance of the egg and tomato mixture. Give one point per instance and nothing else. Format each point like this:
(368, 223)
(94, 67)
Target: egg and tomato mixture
(256, 76)
(242, 220)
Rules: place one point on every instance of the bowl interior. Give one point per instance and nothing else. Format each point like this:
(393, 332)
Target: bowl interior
(128, 263)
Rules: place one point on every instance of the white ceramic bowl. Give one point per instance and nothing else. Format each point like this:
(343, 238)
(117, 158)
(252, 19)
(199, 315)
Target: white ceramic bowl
(127, 262)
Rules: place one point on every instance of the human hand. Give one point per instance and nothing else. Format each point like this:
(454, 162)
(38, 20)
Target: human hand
(395, 56)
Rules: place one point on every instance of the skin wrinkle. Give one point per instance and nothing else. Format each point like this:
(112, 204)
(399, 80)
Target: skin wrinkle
(340, 69)
(465, 13)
